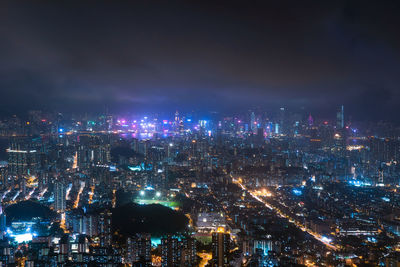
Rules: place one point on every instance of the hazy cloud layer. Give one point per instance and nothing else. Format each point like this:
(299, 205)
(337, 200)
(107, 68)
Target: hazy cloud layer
(225, 55)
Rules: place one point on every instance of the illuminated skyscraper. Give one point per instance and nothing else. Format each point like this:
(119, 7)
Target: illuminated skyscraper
(177, 122)
(3, 221)
(189, 255)
(105, 231)
(22, 157)
(60, 192)
(253, 123)
(340, 118)
(281, 128)
(170, 252)
(139, 249)
(92, 150)
(380, 176)
(176, 117)
(3, 174)
(220, 249)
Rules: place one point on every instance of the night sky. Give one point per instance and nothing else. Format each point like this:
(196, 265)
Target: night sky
(225, 56)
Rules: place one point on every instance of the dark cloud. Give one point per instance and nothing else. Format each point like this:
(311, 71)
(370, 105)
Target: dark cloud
(204, 55)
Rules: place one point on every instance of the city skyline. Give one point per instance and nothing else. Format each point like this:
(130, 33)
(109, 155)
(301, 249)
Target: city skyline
(199, 134)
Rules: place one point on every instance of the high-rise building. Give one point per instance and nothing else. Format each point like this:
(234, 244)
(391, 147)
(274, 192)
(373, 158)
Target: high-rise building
(91, 225)
(139, 250)
(60, 192)
(76, 222)
(3, 221)
(22, 157)
(92, 151)
(170, 252)
(253, 123)
(105, 231)
(189, 252)
(260, 136)
(281, 121)
(3, 174)
(177, 122)
(220, 248)
(340, 118)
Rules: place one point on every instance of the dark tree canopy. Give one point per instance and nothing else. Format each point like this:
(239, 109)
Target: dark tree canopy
(155, 219)
(27, 210)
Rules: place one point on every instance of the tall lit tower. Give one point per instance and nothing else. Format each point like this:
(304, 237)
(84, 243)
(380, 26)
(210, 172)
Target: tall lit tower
(340, 118)
(104, 227)
(380, 176)
(253, 122)
(220, 248)
(282, 121)
(170, 252)
(2, 222)
(60, 192)
(176, 122)
(176, 117)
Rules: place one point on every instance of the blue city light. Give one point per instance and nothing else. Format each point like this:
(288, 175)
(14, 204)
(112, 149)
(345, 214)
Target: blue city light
(355, 183)
(21, 237)
(113, 168)
(326, 239)
(297, 192)
(358, 183)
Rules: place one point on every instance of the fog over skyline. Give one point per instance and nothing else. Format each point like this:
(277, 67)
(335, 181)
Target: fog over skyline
(220, 56)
